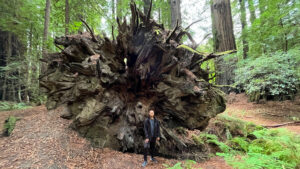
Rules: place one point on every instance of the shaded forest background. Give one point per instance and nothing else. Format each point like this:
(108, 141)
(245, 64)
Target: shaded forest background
(266, 37)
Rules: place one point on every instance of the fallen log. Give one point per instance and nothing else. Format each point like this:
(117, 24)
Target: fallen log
(109, 86)
(283, 124)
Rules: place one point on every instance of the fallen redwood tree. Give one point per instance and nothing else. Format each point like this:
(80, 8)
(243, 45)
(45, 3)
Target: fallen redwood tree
(108, 86)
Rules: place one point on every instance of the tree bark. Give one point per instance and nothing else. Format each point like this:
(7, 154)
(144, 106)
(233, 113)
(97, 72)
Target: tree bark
(45, 34)
(159, 15)
(252, 11)
(20, 87)
(224, 40)
(8, 51)
(244, 28)
(146, 6)
(67, 17)
(19, 81)
(175, 12)
(108, 87)
(46, 24)
(4, 88)
(222, 26)
(29, 69)
(13, 91)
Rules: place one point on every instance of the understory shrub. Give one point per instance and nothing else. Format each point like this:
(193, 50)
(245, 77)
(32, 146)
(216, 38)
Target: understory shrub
(9, 125)
(4, 106)
(272, 76)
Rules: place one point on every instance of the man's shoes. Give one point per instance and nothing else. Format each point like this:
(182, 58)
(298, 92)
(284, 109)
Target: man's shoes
(144, 164)
(153, 160)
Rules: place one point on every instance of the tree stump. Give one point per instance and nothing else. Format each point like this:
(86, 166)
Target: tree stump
(108, 86)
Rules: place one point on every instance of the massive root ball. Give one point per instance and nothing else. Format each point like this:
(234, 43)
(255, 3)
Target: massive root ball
(108, 86)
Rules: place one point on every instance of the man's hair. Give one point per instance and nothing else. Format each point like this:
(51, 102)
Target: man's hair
(151, 110)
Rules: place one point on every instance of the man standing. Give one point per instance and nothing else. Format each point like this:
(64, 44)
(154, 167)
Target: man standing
(152, 134)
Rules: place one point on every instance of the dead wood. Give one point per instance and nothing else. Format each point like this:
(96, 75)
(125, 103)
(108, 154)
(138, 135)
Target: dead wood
(109, 85)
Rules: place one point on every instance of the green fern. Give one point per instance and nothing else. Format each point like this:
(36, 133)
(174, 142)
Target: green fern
(249, 146)
(212, 139)
(9, 125)
(4, 106)
(188, 164)
(271, 149)
(239, 143)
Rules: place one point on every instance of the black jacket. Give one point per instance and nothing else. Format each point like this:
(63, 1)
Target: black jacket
(147, 128)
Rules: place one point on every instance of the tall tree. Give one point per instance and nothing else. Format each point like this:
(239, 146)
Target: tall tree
(224, 40)
(46, 28)
(175, 12)
(222, 26)
(46, 24)
(244, 28)
(67, 17)
(159, 15)
(147, 4)
(8, 54)
(252, 11)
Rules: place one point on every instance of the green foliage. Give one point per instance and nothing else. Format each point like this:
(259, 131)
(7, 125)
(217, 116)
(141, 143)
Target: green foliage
(188, 164)
(9, 125)
(25, 19)
(208, 65)
(4, 106)
(211, 139)
(239, 143)
(275, 28)
(275, 148)
(236, 127)
(253, 147)
(269, 75)
(176, 166)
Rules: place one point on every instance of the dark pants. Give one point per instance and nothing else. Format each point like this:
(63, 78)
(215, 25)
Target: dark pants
(151, 149)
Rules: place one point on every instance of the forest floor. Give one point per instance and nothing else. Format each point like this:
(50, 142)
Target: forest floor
(267, 113)
(41, 139)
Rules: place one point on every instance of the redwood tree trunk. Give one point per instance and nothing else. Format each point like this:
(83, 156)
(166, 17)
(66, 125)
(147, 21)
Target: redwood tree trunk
(224, 40)
(175, 12)
(147, 4)
(8, 53)
(46, 24)
(45, 34)
(67, 17)
(244, 28)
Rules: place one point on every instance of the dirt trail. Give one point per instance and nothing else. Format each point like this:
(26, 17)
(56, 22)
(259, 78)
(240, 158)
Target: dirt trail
(42, 139)
(268, 113)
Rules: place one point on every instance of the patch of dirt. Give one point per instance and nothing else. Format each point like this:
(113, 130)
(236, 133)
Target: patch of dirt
(266, 113)
(41, 139)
